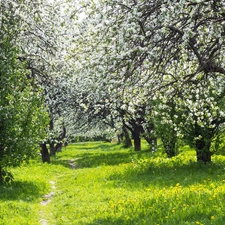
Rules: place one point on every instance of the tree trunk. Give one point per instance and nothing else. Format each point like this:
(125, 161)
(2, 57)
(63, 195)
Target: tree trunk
(152, 141)
(52, 149)
(127, 141)
(154, 146)
(119, 138)
(150, 136)
(44, 153)
(169, 144)
(137, 140)
(52, 144)
(203, 151)
(58, 147)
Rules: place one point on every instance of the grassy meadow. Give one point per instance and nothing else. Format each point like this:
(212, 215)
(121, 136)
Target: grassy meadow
(102, 183)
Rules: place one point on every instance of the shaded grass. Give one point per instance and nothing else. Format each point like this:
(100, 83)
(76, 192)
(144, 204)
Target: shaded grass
(20, 201)
(26, 191)
(93, 154)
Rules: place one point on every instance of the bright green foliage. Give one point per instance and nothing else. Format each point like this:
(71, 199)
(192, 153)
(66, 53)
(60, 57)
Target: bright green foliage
(22, 115)
(22, 118)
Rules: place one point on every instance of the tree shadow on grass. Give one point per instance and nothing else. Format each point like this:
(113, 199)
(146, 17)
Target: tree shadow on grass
(61, 162)
(86, 155)
(22, 190)
(144, 168)
(168, 175)
(90, 155)
(110, 159)
(103, 146)
(92, 160)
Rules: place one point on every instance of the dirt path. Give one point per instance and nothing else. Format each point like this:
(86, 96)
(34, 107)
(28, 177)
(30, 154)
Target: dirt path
(45, 201)
(72, 164)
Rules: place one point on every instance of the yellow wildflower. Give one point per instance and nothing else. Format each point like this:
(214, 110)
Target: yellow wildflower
(212, 217)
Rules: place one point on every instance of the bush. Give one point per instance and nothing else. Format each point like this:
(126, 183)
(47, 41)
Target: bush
(5, 177)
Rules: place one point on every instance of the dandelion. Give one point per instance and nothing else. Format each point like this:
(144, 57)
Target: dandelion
(212, 217)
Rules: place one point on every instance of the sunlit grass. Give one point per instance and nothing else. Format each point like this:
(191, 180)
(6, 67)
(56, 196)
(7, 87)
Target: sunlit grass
(102, 183)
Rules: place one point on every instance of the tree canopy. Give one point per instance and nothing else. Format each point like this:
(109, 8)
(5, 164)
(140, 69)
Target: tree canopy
(147, 54)
(152, 69)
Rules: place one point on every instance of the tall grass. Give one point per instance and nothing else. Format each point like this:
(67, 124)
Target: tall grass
(103, 183)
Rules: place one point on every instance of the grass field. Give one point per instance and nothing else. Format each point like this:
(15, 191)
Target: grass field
(102, 183)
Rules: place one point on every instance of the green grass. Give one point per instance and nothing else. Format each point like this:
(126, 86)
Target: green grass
(112, 185)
